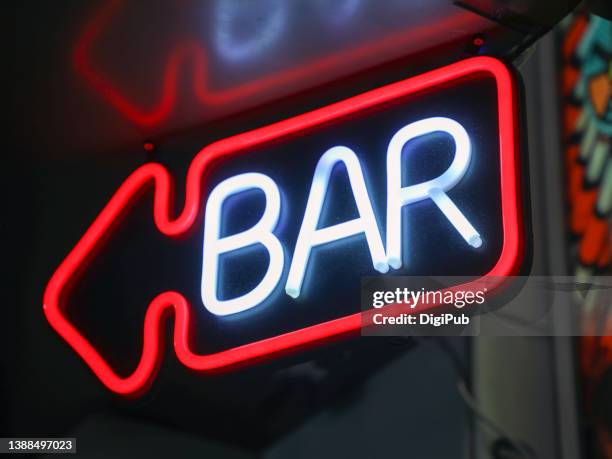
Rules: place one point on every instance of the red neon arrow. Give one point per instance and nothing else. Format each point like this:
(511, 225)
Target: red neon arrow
(174, 302)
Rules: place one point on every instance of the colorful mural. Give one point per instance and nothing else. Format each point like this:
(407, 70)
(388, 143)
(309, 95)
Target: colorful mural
(586, 84)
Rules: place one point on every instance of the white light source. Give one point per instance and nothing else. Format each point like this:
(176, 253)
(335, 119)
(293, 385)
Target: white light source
(454, 215)
(260, 233)
(398, 196)
(310, 236)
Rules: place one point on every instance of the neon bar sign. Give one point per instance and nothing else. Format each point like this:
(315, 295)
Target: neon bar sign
(309, 236)
(288, 177)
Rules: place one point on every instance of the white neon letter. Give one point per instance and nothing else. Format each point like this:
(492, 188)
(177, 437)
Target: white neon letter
(310, 236)
(260, 233)
(398, 196)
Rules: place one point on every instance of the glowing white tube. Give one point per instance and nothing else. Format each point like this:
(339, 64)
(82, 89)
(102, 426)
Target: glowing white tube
(454, 215)
(310, 236)
(398, 196)
(260, 233)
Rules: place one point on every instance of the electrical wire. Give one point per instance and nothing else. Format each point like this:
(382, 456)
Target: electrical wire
(474, 406)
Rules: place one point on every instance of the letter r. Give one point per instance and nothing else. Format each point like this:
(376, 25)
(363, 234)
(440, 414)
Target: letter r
(435, 189)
